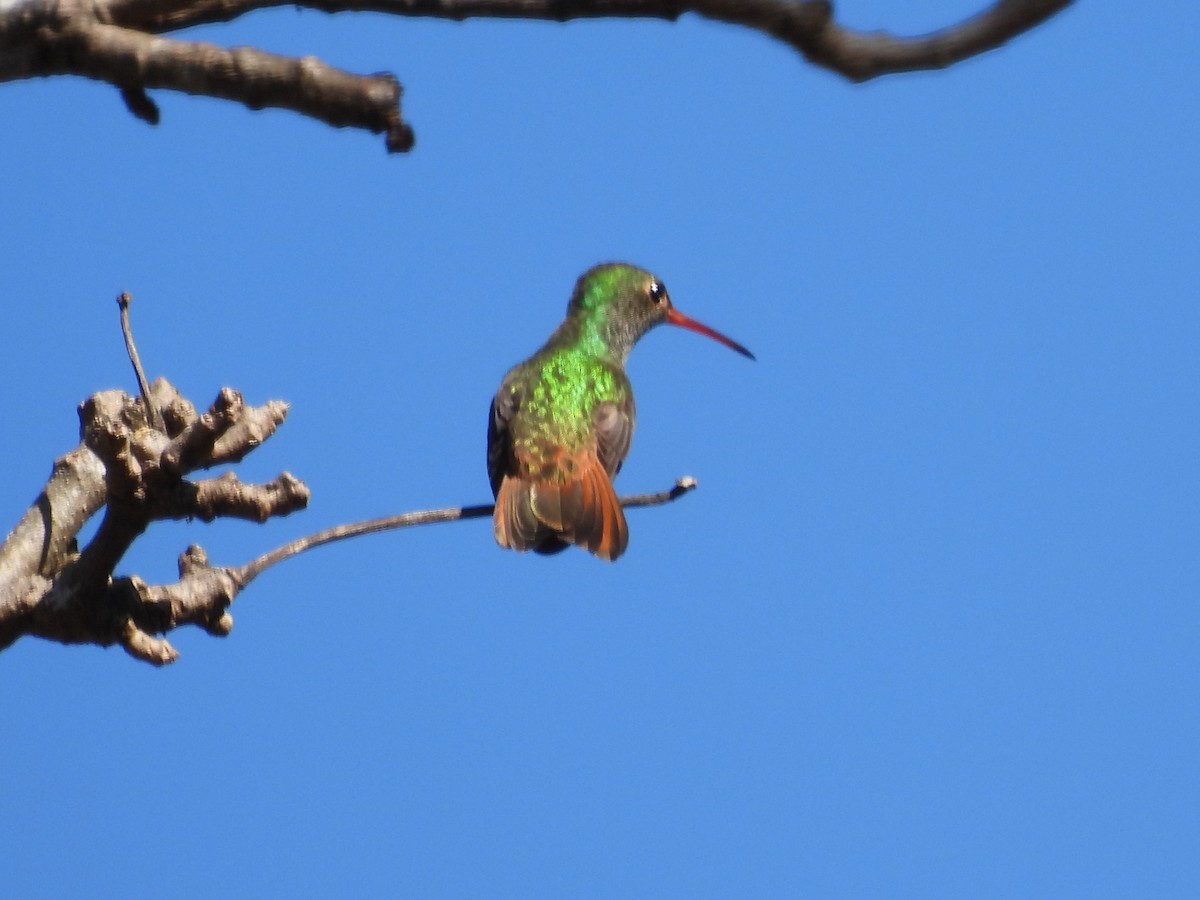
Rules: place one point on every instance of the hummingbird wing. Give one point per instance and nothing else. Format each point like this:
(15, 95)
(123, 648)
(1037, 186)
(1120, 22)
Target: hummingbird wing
(600, 522)
(515, 523)
(500, 460)
(614, 433)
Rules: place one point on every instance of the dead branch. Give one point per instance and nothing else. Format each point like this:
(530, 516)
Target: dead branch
(131, 465)
(203, 594)
(135, 474)
(120, 42)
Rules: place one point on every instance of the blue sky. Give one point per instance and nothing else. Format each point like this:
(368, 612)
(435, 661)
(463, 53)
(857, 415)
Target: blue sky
(927, 628)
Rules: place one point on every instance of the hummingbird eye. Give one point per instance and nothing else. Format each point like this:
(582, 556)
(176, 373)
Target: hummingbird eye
(656, 291)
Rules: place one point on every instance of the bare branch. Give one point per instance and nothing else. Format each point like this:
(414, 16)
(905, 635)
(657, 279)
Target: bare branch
(146, 647)
(224, 434)
(123, 301)
(200, 597)
(682, 486)
(138, 102)
(135, 473)
(255, 425)
(861, 56)
(231, 498)
(130, 612)
(254, 568)
(193, 446)
(806, 25)
(134, 61)
(44, 539)
(203, 594)
(176, 410)
(115, 41)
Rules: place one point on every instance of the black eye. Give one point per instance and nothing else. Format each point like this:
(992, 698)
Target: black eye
(657, 292)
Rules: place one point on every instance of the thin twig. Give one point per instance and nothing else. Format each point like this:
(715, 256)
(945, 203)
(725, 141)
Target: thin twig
(152, 416)
(682, 486)
(247, 573)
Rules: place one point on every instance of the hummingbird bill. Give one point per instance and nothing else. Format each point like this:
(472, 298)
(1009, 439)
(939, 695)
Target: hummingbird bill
(561, 423)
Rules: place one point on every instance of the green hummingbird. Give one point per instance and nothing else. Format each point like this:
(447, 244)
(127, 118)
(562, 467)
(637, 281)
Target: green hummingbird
(561, 423)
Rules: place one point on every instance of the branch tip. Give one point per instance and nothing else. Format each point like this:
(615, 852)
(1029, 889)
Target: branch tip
(400, 138)
(140, 645)
(138, 102)
(153, 419)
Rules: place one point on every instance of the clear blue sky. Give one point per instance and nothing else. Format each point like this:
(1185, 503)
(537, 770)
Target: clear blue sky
(928, 628)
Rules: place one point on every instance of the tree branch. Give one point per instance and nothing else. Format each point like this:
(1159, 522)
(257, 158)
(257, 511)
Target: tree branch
(134, 61)
(152, 414)
(805, 25)
(203, 594)
(254, 568)
(117, 41)
(131, 463)
(135, 473)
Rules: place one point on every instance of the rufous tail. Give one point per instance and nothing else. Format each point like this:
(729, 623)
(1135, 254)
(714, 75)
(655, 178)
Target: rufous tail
(546, 514)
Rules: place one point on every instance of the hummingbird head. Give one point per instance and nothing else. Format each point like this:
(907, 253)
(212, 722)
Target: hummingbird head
(620, 303)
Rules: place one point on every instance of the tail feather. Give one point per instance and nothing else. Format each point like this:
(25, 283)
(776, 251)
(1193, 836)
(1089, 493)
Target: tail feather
(546, 514)
(615, 532)
(553, 504)
(514, 522)
(585, 516)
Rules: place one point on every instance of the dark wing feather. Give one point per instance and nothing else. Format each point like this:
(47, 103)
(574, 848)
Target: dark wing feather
(614, 432)
(500, 460)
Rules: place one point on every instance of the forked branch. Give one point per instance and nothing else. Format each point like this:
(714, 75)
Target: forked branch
(132, 468)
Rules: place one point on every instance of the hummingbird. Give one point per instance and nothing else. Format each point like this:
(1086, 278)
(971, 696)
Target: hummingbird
(561, 423)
